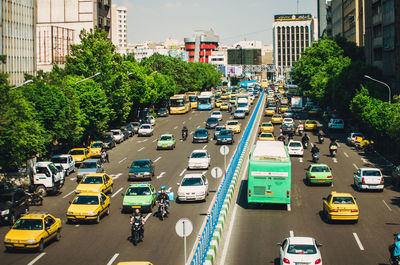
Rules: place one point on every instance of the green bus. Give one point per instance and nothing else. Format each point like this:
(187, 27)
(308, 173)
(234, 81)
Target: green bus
(269, 179)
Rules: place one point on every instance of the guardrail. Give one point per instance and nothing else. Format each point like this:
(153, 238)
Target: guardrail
(211, 224)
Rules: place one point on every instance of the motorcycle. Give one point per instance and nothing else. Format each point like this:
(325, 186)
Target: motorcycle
(104, 157)
(315, 157)
(184, 135)
(333, 150)
(395, 260)
(162, 210)
(305, 144)
(320, 138)
(300, 131)
(35, 199)
(136, 232)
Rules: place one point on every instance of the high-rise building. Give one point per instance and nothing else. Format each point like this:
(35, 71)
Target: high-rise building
(292, 34)
(324, 18)
(17, 38)
(119, 15)
(75, 15)
(245, 53)
(201, 45)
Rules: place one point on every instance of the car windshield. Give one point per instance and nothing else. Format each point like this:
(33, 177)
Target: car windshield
(239, 111)
(59, 160)
(266, 135)
(198, 155)
(371, 173)
(97, 145)
(310, 122)
(145, 127)
(225, 132)
(92, 180)
(135, 124)
(41, 170)
(76, 152)
(266, 125)
(162, 110)
(219, 128)
(276, 116)
(86, 199)
(28, 224)
(89, 165)
(138, 164)
(214, 120)
(302, 249)
(108, 139)
(6, 199)
(165, 138)
(115, 132)
(192, 182)
(343, 200)
(241, 105)
(138, 191)
(216, 113)
(295, 144)
(201, 133)
(233, 123)
(320, 169)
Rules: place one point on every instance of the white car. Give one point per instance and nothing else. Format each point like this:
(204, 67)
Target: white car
(66, 162)
(194, 187)
(199, 159)
(152, 120)
(217, 114)
(336, 124)
(287, 120)
(295, 148)
(368, 179)
(299, 250)
(118, 136)
(145, 130)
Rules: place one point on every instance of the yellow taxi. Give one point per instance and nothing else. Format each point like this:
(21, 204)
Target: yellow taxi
(224, 96)
(266, 137)
(218, 103)
(251, 100)
(33, 231)
(95, 149)
(269, 111)
(270, 100)
(277, 119)
(135, 263)
(79, 154)
(224, 106)
(266, 127)
(233, 125)
(283, 108)
(310, 125)
(96, 182)
(88, 206)
(340, 206)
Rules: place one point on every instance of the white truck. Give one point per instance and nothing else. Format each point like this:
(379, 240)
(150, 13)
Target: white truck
(242, 103)
(296, 103)
(47, 178)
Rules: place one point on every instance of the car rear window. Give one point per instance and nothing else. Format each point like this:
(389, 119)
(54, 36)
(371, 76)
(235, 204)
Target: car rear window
(372, 173)
(320, 169)
(301, 249)
(295, 144)
(138, 191)
(342, 200)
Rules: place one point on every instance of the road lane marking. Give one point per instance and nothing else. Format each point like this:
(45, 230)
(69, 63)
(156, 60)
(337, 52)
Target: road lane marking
(68, 194)
(204, 172)
(291, 234)
(198, 126)
(300, 159)
(158, 158)
(176, 127)
(386, 205)
(334, 160)
(113, 259)
(204, 147)
(37, 258)
(140, 149)
(346, 155)
(354, 165)
(183, 122)
(192, 132)
(115, 193)
(365, 161)
(190, 118)
(169, 189)
(161, 175)
(155, 140)
(358, 241)
(338, 145)
(116, 176)
(76, 225)
(122, 160)
(183, 172)
(147, 217)
(72, 178)
(145, 140)
(289, 207)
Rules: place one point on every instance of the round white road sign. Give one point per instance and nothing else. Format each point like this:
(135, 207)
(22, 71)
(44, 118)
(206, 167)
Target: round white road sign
(224, 150)
(216, 172)
(184, 227)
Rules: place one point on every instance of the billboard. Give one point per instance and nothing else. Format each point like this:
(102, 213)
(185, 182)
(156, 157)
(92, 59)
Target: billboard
(293, 17)
(234, 70)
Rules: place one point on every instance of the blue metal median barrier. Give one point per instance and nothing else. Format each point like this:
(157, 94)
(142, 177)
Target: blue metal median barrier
(211, 224)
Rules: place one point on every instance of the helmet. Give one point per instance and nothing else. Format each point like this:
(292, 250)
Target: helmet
(163, 187)
(398, 237)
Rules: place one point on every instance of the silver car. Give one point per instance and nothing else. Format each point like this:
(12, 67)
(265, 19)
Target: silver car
(239, 114)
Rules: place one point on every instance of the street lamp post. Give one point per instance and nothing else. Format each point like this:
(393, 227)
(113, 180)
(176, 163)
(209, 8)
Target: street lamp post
(87, 78)
(24, 83)
(383, 83)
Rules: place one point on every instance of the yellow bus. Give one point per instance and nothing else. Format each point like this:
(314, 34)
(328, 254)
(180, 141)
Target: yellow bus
(264, 83)
(193, 99)
(179, 104)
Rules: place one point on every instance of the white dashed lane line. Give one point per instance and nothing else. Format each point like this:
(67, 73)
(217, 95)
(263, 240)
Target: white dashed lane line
(155, 140)
(115, 193)
(140, 149)
(386, 205)
(190, 118)
(358, 241)
(183, 172)
(198, 127)
(204, 147)
(113, 259)
(300, 159)
(354, 165)
(114, 177)
(192, 132)
(122, 160)
(37, 258)
(334, 160)
(176, 127)
(158, 158)
(345, 154)
(65, 196)
(161, 175)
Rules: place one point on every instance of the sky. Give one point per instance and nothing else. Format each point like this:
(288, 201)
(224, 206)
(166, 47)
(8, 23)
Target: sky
(232, 20)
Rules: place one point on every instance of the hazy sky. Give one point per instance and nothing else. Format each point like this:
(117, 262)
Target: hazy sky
(232, 20)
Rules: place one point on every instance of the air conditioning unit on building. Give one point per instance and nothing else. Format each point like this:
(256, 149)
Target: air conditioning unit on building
(107, 22)
(107, 2)
(101, 21)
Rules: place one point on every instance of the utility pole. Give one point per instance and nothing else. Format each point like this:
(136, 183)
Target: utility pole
(297, 6)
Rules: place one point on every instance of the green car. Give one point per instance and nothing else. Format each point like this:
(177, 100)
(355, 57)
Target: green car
(166, 141)
(319, 174)
(139, 196)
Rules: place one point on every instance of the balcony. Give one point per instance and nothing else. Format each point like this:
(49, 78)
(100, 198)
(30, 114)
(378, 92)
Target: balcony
(377, 42)
(107, 3)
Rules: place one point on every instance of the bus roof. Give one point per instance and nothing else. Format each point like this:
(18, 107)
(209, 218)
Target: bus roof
(270, 150)
(178, 96)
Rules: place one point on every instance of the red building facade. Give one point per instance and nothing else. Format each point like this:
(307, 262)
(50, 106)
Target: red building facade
(200, 46)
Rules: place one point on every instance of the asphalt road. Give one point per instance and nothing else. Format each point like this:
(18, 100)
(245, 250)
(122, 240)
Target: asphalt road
(107, 242)
(251, 235)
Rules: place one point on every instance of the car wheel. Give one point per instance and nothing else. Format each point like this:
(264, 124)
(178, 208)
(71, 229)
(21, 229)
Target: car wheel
(41, 246)
(58, 235)
(13, 219)
(41, 190)
(108, 211)
(111, 189)
(97, 219)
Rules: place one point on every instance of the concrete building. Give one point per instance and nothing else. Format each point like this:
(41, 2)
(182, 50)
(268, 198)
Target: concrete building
(324, 18)
(201, 45)
(219, 57)
(245, 53)
(119, 38)
(18, 38)
(75, 15)
(292, 34)
(147, 49)
(337, 17)
(381, 48)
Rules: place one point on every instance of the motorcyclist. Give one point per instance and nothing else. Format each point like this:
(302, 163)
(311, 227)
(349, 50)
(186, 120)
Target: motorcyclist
(305, 139)
(281, 138)
(396, 248)
(104, 155)
(164, 196)
(184, 132)
(300, 129)
(333, 143)
(137, 216)
(315, 150)
(321, 135)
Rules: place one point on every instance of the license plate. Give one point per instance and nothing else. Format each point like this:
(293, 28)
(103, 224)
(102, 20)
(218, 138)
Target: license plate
(134, 207)
(80, 216)
(165, 146)
(269, 193)
(19, 245)
(321, 180)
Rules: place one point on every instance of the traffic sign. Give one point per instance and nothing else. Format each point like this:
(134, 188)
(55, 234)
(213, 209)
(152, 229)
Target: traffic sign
(224, 150)
(184, 227)
(216, 172)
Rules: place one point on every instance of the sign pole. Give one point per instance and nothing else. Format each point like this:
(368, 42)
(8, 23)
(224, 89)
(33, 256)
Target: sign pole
(184, 240)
